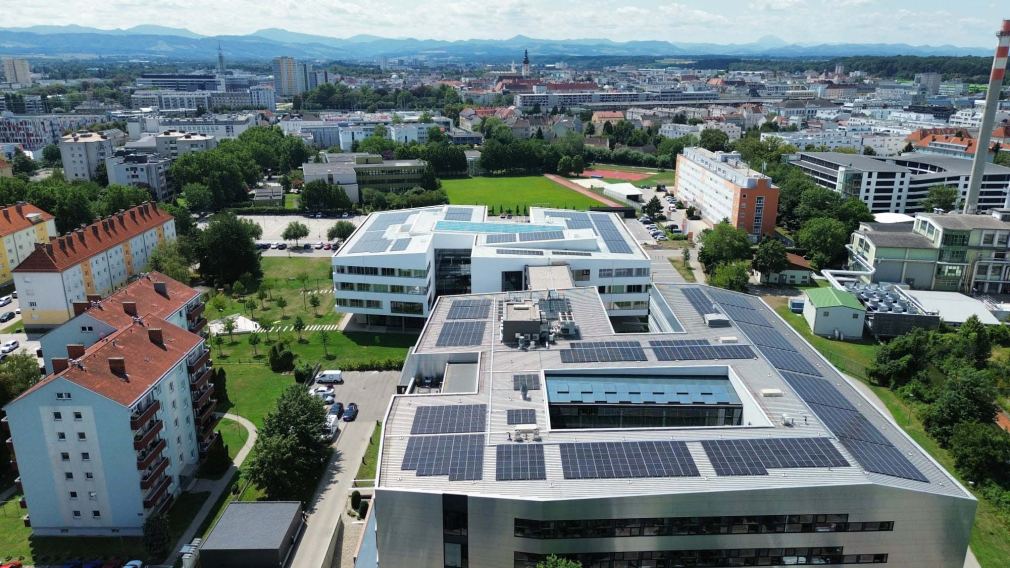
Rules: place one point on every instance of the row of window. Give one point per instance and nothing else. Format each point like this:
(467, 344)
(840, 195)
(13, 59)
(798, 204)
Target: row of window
(65, 456)
(355, 303)
(623, 272)
(381, 288)
(58, 416)
(376, 271)
(69, 475)
(684, 526)
(623, 289)
(62, 436)
(708, 558)
(92, 495)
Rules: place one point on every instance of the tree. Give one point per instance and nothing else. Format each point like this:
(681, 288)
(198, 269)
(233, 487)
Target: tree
(198, 197)
(976, 346)
(724, 243)
(324, 340)
(250, 306)
(553, 561)
(825, 237)
(968, 396)
(299, 326)
(220, 380)
(281, 303)
(22, 165)
(229, 328)
(314, 301)
(288, 453)
(101, 176)
(908, 148)
(590, 129)
(901, 360)
(216, 461)
(653, 207)
(731, 275)
(238, 289)
(261, 295)
(714, 140)
(280, 358)
(227, 249)
(121, 197)
(254, 340)
(317, 195)
(341, 230)
(157, 536)
(295, 231)
(941, 197)
(565, 166)
(981, 452)
(51, 156)
(869, 151)
(167, 258)
(770, 257)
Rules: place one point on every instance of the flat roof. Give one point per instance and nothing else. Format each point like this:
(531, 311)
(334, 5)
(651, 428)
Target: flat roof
(616, 389)
(953, 307)
(460, 377)
(858, 161)
(549, 277)
(253, 525)
(962, 222)
(894, 235)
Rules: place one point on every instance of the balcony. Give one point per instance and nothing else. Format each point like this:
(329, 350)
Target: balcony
(23, 503)
(200, 362)
(5, 427)
(143, 417)
(207, 441)
(200, 397)
(27, 521)
(148, 479)
(144, 439)
(10, 447)
(192, 314)
(146, 458)
(155, 496)
(206, 411)
(197, 382)
(197, 325)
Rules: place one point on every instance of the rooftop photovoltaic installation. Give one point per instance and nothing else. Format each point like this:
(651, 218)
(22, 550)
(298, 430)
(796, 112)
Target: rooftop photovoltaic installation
(756, 457)
(519, 462)
(469, 309)
(449, 419)
(461, 334)
(459, 456)
(608, 460)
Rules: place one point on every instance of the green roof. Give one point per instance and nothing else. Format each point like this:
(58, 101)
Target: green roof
(832, 297)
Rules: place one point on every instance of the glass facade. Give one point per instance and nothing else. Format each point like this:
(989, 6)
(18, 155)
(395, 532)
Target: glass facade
(831, 555)
(643, 415)
(452, 271)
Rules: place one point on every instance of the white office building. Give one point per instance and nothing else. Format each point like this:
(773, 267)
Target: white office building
(81, 152)
(263, 96)
(391, 270)
(723, 440)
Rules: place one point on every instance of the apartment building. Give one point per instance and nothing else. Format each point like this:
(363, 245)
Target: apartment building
(618, 98)
(720, 185)
(82, 152)
(174, 143)
(220, 126)
(118, 427)
(22, 226)
(263, 96)
(293, 77)
(17, 71)
(35, 132)
(141, 170)
(701, 446)
(390, 271)
(95, 259)
(949, 252)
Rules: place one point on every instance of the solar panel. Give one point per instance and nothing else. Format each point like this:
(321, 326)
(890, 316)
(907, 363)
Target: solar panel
(519, 462)
(603, 351)
(734, 299)
(521, 416)
(745, 315)
(699, 301)
(499, 238)
(848, 424)
(886, 460)
(573, 220)
(400, 244)
(756, 457)
(469, 309)
(531, 380)
(461, 457)
(449, 419)
(789, 361)
(610, 234)
(606, 460)
(766, 336)
(818, 391)
(461, 333)
(702, 352)
(555, 305)
(371, 241)
(520, 252)
(572, 253)
(458, 214)
(541, 236)
(678, 342)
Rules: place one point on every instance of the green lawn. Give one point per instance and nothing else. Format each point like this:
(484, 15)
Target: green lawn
(291, 201)
(233, 434)
(850, 357)
(367, 468)
(515, 193)
(684, 269)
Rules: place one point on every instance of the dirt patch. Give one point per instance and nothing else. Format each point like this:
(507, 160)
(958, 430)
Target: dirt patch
(616, 174)
(576, 187)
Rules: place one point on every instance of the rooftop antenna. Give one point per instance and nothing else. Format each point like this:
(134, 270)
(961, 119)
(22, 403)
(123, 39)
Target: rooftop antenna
(999, 66)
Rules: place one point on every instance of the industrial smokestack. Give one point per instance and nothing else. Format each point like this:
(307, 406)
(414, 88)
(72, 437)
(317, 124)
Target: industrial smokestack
(999, 65)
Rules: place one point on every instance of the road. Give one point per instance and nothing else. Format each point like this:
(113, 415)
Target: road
(371, 390)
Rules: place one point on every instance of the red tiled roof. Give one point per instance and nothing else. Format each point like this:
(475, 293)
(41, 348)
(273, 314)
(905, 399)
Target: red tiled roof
(14, 218)
(607, 115)
(66, 251)
(797, 260)
(148, 300)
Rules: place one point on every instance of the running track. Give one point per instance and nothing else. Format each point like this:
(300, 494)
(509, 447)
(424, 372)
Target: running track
(576, 187)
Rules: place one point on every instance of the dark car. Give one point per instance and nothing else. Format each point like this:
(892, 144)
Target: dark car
(351, 413)
(337, 409)
(6, 316)
(282, 246)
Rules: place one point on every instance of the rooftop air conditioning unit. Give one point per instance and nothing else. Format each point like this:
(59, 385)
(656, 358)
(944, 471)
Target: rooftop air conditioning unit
(771, 393)
(788, 420)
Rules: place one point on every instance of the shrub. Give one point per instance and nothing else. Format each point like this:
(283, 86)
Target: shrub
(363, 509)
(281, 359)
(304, 372)
(355, 499)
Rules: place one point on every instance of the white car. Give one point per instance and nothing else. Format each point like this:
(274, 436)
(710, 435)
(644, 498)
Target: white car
(9, 346)
(322, 392)
(6, 300)
(330, 377)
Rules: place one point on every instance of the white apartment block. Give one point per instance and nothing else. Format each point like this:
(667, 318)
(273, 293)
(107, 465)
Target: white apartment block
(96, 259)
(405, 133)
(174, 143)
(397, 263)
(567, 99)
(17, 71)
(35, 132)
(82, 152)
(673, 130)
(141, 170)
(119, 426)
(172, 100)
(220, 126)
(263, 96)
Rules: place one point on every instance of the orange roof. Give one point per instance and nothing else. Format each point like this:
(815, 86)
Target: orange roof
(69, 250)
(923, 133)
(607, 115)
(14, 218)
(146, 361)
(797, 260)
(147, 299)
(1001, 132)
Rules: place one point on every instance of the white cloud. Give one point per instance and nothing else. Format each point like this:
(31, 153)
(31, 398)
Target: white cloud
(775, 5)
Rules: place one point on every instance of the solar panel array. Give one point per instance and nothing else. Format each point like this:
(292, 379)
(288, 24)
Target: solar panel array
(863, 440)
(461, 333)
(541, 236)
(607, 460)
(610, 234)
(449, 419)
(373, 240)
(521, 416)
(700, 302)
(519, 462)
(573, 220)
(458, 214)
(531, 380)
(602, 352)
(756, 457)
(400, 244)
(555, 305)
(461, 457)
(499, 238)
(520, 252)
(572, 253)
(469, 309)
(699, 352)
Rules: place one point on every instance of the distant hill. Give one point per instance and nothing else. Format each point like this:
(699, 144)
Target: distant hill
(163, 42)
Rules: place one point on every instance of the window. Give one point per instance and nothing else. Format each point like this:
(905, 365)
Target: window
(77, 514)
(86, 456)
(96, 514)
(73, 495)
(65, 456)
(855, 316)
(89, 475)
(92, 495)
(826, 314)
(77, 416)
(61, 436)
(57, 416)
(68, 475)
(82, 436)
(87, 328)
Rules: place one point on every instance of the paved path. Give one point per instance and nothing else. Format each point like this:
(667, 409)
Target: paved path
(290, 327)
(215, 487)
(578, 188)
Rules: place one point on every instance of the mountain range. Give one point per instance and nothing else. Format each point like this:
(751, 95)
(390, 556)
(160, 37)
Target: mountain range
(160, 42)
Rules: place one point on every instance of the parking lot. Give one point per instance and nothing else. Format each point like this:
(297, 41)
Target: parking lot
(370, 390)
(273, 225)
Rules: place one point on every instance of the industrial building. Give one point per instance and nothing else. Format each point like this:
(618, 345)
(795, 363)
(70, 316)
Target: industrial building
(725, 441)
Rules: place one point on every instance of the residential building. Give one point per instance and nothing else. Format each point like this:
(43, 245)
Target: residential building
(263, 96)
(601, 117)
(141, 170)
(17, 71)
(802, 109)
(674, 130)
(35, 132)
(175, 143)
(220, 126)
(22, 226)
(945, 142)
(834, 313)
(96, 259)
(930, 82)
(253, 534)
(720, 185)
(465, 137)
(286, 77)
(119, 426)
(899, 184)
(172, 100)
(397, 262)
(611, 98)
(407, 132)
(693, 446)
(358, 170)
(949, 252)
(82, 152)
(180, 82)
(796, 273)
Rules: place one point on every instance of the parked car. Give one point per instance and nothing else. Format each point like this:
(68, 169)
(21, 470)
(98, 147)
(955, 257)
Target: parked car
(275, 245)
(328, 433)
(282, 246)
(9, 346)
(15, 564)
(15, 295)
(337, 409)
(322, 391)
(351, 413)
(327, 246)
(134, 564)
(330, 377)
(6, 317)
(5, 300)
(345, 215)
(319, 245)
(662, 238)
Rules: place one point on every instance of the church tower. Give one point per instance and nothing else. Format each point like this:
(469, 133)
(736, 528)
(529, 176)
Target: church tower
(526, 63)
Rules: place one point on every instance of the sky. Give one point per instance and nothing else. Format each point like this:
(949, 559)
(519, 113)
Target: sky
(970, 23)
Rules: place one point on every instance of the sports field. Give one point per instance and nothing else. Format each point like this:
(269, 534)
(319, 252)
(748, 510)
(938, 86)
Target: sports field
(515, 193)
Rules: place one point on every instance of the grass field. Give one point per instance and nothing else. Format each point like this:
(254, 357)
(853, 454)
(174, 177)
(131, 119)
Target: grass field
(665, 177)
(515, 193)
(367, 468)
